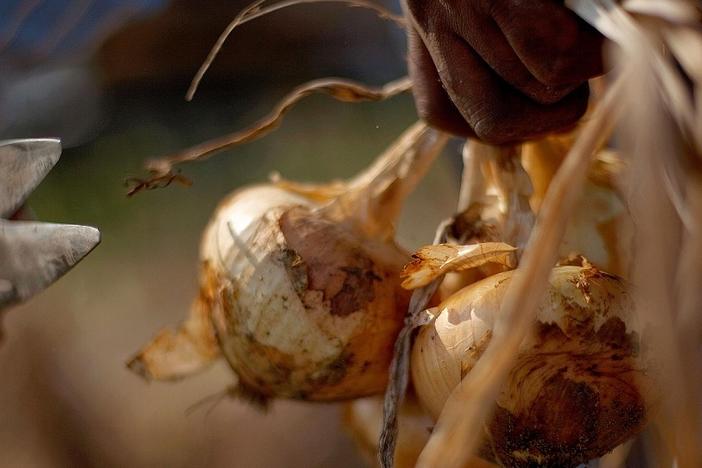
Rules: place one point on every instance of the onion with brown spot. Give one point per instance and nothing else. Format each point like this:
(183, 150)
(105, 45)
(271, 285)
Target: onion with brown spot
(580, 385)
(307, 300)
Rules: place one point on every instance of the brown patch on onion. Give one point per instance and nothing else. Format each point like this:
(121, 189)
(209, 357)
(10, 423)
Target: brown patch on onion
(333, 260)
(571, 400)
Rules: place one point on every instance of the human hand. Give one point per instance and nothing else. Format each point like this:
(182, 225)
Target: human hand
(501, 70)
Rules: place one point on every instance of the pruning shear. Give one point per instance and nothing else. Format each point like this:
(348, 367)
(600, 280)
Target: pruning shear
(33, 254)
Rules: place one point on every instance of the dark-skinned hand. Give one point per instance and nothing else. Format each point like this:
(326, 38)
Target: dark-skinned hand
(501, 70)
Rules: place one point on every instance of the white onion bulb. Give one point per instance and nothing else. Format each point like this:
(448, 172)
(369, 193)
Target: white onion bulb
(579, 386)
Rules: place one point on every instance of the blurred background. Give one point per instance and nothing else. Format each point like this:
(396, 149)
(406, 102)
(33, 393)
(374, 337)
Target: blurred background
(108, 77)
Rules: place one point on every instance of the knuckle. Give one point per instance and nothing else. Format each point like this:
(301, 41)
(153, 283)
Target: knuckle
(492, 128)
(568, 65)
(555, 71)
(492, 132)
(495, 125)
(532, 87)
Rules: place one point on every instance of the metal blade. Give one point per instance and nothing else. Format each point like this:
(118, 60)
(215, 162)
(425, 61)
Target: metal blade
(23, 165)
(34, 255)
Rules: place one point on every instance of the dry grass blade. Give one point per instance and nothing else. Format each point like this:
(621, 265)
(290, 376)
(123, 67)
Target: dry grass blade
(661, 122)
(675, 11)
(434, 261)
(617, 24)
(399, 367)
(689, 320)
(459, 429)
(686, 46)
(162, 170)
(256, 10)
(649, 135)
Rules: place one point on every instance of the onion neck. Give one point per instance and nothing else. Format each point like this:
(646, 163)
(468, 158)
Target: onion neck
(496, 185)
(375, 197)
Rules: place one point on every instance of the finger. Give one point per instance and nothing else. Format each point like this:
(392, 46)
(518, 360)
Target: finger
(487, 39)
(495, 111)
(554, 44)
(433, 103)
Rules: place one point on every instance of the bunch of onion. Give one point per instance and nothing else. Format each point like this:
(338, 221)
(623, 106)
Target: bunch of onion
(579, 387)
(300, 287)
(651, 103)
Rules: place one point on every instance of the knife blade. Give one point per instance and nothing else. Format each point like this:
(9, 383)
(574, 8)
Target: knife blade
(33, 255)
(23, 165)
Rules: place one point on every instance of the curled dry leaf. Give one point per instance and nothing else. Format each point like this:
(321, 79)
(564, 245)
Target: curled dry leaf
(192, 347)
(314, 191)
(137, 184)
(434, 261)
(257, 9)
(162, 170)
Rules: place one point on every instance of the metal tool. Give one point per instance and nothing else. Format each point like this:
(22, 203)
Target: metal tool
(33, 255)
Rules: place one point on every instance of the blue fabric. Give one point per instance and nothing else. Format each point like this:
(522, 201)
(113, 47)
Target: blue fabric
(34, 31)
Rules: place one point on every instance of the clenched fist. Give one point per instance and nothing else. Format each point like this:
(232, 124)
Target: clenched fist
(501, 70)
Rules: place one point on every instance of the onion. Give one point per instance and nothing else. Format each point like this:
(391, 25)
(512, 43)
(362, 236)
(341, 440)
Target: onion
(300, 286)
(579, 386)
(310, 308)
